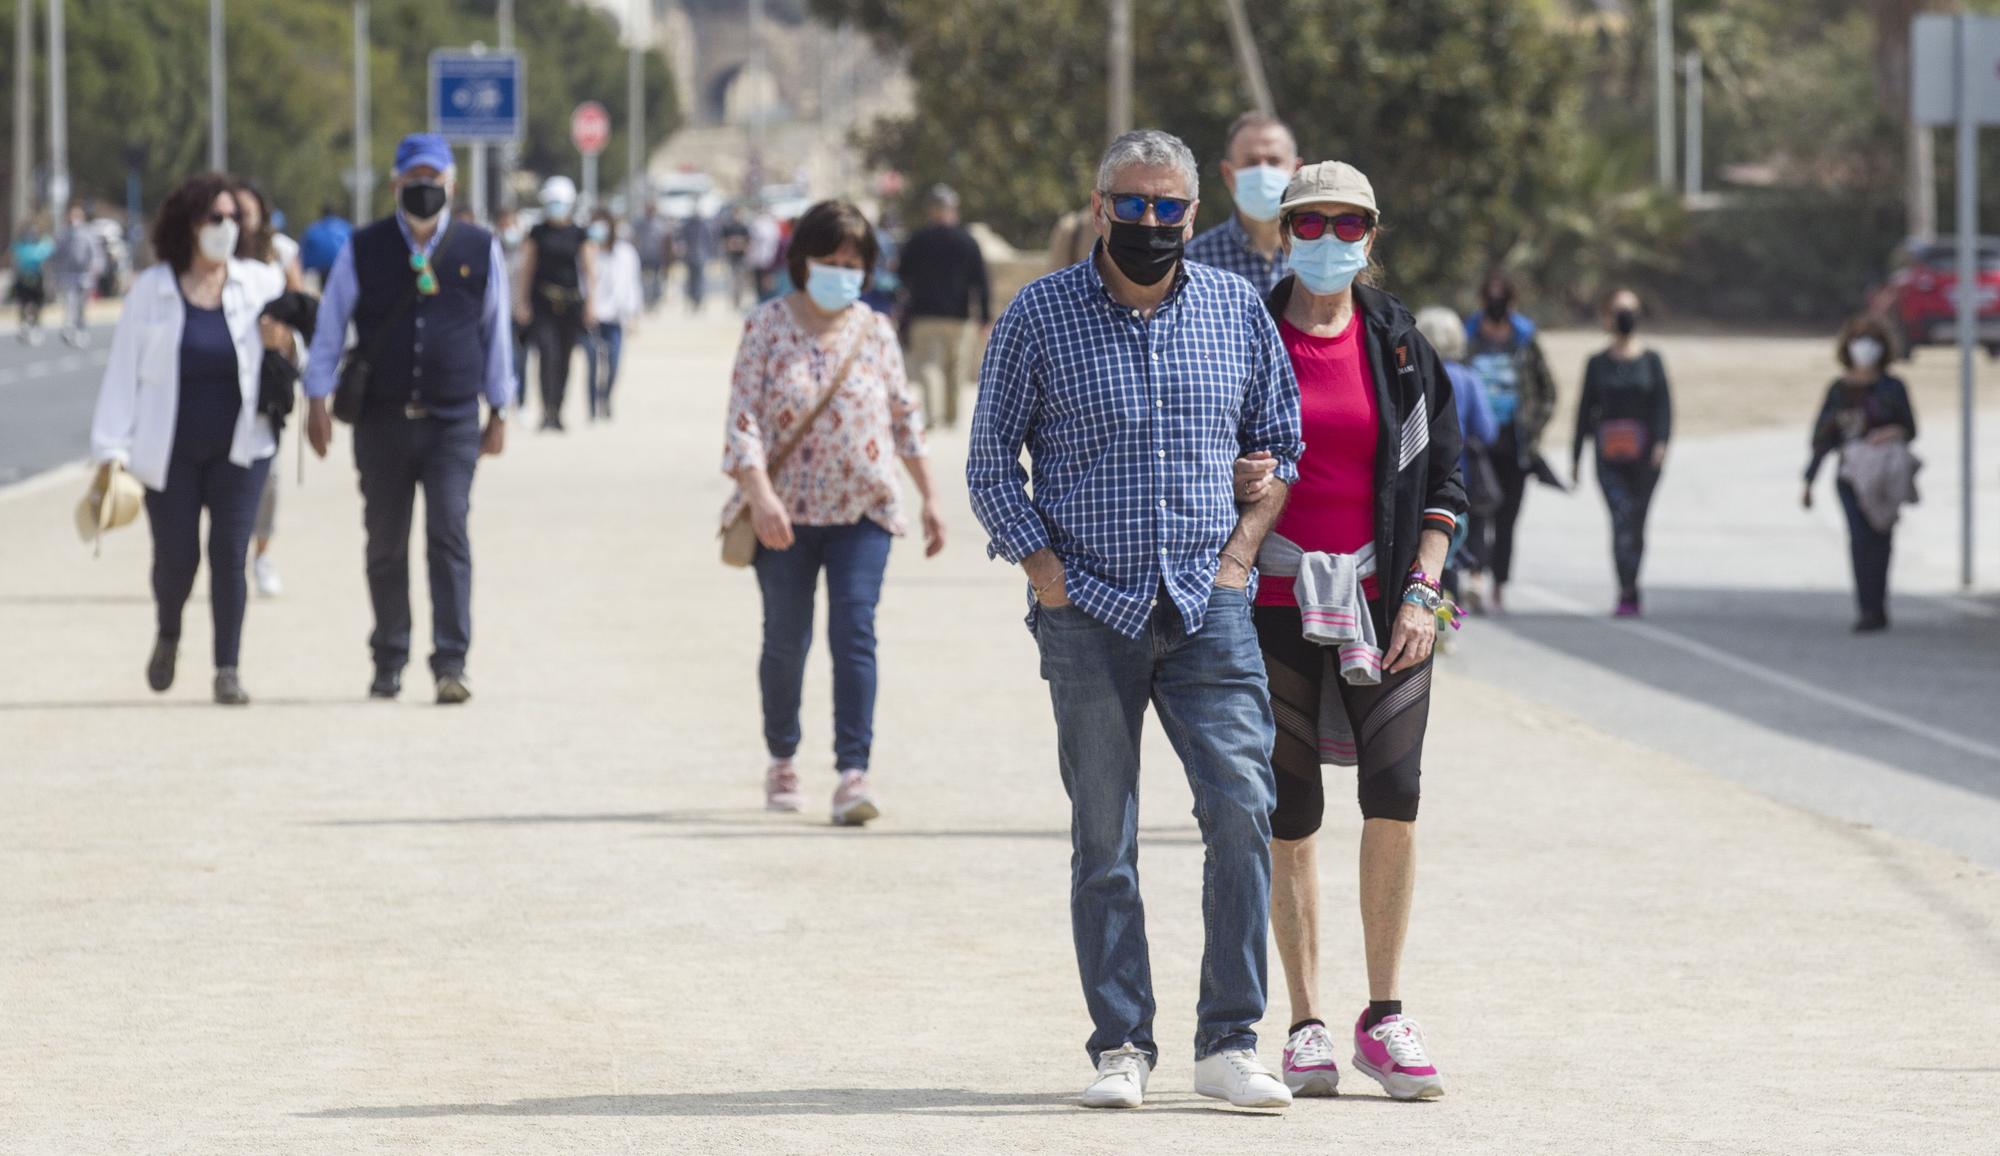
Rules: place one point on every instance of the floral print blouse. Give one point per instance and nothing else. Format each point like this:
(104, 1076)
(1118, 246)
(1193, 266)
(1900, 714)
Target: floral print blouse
(845, 470)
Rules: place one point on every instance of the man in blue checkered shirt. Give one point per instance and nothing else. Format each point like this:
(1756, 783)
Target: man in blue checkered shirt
(1134, 379)
(1259, 158)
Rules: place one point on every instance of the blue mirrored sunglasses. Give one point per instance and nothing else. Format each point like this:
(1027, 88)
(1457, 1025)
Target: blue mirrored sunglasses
(1130, 208)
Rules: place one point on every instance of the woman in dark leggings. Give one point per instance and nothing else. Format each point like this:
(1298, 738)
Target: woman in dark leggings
(178, 408)
(1380, 422)
(1863, 404)
(1628, 411)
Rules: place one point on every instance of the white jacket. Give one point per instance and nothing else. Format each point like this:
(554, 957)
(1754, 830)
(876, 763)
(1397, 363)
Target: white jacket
(140, 398)
(618, 296)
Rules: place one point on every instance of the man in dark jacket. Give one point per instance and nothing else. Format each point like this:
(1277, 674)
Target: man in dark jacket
(944, 284)
(429, 303)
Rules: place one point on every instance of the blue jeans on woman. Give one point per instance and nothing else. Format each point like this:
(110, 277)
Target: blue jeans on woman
(601, 355)
(1215, 706)
(854, 558)
(201, 477)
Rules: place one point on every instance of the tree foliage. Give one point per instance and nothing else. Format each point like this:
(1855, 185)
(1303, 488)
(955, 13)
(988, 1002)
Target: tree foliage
(138, 76)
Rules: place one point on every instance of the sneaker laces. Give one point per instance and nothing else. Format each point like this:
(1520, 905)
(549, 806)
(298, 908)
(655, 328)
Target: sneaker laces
(1314, 1046)
(1127, 1059)
(1245, 1062)
(781, 778)
(1404, 1040)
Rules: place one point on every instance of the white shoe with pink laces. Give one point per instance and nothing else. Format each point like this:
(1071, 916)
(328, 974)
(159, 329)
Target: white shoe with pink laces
(854, 800)
(781, 787)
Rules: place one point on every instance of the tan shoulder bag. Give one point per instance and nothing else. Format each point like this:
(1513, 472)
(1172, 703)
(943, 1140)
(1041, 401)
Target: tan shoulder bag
(739, 537)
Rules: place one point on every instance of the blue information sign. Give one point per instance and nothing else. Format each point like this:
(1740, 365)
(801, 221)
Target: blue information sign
(476, 96)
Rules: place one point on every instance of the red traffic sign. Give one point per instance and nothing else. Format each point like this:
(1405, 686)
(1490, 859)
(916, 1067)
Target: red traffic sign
(590, 128)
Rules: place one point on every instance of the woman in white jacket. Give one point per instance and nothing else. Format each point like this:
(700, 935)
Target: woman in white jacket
(178, 408)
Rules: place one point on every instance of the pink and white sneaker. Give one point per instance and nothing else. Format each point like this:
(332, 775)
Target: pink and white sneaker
(1309, 1066)
(1392, 1052)
(854, 800)
(781, 787)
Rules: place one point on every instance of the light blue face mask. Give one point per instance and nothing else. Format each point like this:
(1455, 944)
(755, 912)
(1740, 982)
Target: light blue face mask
(599, 233)
(831, 287)
(1329, 264)
(1259, 190)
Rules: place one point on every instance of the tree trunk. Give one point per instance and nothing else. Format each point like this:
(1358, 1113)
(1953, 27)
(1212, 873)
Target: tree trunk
(1892, 83)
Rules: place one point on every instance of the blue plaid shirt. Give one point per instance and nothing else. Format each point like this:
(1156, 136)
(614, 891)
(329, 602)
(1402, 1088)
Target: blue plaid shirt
(1227, 246)
(1133, 426)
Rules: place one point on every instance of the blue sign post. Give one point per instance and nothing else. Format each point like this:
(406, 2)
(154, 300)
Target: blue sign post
(476, 96)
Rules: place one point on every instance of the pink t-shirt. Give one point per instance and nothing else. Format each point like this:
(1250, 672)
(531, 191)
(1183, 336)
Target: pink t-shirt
(1332, 508)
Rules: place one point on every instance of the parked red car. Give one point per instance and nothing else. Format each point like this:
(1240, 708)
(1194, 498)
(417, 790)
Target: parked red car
(1920, 297)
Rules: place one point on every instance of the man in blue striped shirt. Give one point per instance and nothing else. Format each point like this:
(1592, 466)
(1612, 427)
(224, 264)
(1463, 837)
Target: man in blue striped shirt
(1259, 158)
(1134, 379)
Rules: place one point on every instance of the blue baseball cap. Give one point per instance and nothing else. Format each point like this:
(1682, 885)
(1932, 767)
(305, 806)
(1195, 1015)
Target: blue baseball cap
(425, 149)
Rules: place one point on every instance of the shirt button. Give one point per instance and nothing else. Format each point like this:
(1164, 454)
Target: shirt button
(1156, 357)
(420, 347)
(1163, 453)
(417, 372)
(1160, 402)
(1163, 503)
(420, 323)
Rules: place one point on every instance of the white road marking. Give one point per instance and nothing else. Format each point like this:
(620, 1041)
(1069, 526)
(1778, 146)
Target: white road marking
(1779, 679)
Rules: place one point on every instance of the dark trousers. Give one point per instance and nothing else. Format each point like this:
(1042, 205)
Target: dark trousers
(1869, 549)
(556, 336)
(854, 558)
(395, 455)
(605, 349)
(1628, 491)
(198, 479)
(1514, 475)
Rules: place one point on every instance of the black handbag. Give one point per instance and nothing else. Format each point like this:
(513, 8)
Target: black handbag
(350, 392)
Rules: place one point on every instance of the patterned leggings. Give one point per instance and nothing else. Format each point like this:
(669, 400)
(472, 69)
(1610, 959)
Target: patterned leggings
(1628, 491)
(1388, 721)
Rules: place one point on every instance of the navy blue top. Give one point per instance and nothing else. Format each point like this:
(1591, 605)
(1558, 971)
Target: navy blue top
(211, 392)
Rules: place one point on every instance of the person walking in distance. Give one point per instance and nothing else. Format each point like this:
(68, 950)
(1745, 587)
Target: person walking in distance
(178, 408)
(1133, 379)
(428, 299)
(1445, 330)
(1627, 409)
(620, 294)
(321, 245)
(76, 265)
(1865, 409)
(735, 238)
(944, 281)
(262, 243)
(1259, 157)
(1502, 348)
(697, 248)
(31, 252)
(1364, 535)
(558, 267)
(823, 495)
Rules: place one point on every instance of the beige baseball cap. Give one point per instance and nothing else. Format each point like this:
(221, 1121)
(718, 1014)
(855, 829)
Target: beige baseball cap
(1335, 181)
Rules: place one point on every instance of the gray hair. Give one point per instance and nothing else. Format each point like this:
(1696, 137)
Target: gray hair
(1152, 148)
(1446, 333)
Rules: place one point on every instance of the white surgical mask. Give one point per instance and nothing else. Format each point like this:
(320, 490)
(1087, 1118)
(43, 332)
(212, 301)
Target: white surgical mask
(218, 241)
(1864, 352)
(1259, 191)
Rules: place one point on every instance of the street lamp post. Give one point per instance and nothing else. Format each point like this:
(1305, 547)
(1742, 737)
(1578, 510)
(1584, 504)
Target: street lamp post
(511, 151)
(24, 112)
(364, 174)
(58, 111)
(1663, 96)
(635, 118)
(218, 109)
(1120, 111)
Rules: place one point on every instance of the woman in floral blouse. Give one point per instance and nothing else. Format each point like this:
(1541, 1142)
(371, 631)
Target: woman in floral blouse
(835, 503)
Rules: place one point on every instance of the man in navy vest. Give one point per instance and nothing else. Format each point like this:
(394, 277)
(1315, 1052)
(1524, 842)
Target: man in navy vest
(429, 304)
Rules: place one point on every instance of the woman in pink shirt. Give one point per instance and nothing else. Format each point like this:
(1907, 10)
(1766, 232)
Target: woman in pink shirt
(1380, 481)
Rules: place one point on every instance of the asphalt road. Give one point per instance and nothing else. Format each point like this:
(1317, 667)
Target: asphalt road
(1744, 663)
(46, 396)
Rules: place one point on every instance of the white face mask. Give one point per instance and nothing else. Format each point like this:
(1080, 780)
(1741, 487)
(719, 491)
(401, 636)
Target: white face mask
(218, 241)
(1864, 352)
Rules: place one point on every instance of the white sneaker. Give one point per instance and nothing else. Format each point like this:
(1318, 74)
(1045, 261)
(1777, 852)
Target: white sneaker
(1310, 1069)
(1237, 1077)
(269, 585)
(854, 800)
(781, 787)
(1121, 1079)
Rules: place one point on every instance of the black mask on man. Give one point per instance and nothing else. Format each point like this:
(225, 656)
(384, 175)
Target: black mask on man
(1146, 253)
(423, 200)
(1497, 308)
(1624, 321)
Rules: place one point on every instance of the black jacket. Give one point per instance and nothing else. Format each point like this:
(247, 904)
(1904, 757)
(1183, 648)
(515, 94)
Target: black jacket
(1417, 479)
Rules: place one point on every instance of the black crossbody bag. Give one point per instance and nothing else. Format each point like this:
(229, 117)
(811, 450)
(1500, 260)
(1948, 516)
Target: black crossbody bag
(351, 392)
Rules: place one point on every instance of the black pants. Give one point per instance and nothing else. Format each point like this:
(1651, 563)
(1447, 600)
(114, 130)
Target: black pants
(556, 336)
(1869, 549)
(201, 478)
(1514, 476)
(1628, 491)
(395, 455)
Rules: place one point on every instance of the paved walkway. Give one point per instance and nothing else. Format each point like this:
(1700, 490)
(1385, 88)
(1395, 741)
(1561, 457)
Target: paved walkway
(558, 921)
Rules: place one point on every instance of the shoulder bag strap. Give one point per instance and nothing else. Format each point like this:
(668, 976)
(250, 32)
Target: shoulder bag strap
(777, 459)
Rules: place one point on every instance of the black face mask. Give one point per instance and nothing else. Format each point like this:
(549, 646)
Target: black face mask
(1624, 321)
(423, 200)
(1146, 253)
(1497, 308)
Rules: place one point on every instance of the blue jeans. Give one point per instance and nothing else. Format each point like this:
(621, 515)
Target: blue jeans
(202, 477)
(609, 345)
(1216, 710)
(854, 558)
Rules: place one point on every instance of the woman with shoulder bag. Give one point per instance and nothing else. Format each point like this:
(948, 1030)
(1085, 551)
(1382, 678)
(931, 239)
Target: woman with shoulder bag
(180, 409)
(1627, 409)
(819, 411)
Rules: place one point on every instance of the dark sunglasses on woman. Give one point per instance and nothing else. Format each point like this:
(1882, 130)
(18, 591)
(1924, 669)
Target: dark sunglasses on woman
(1348, 227)
(1130, 208)
(218, 218)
